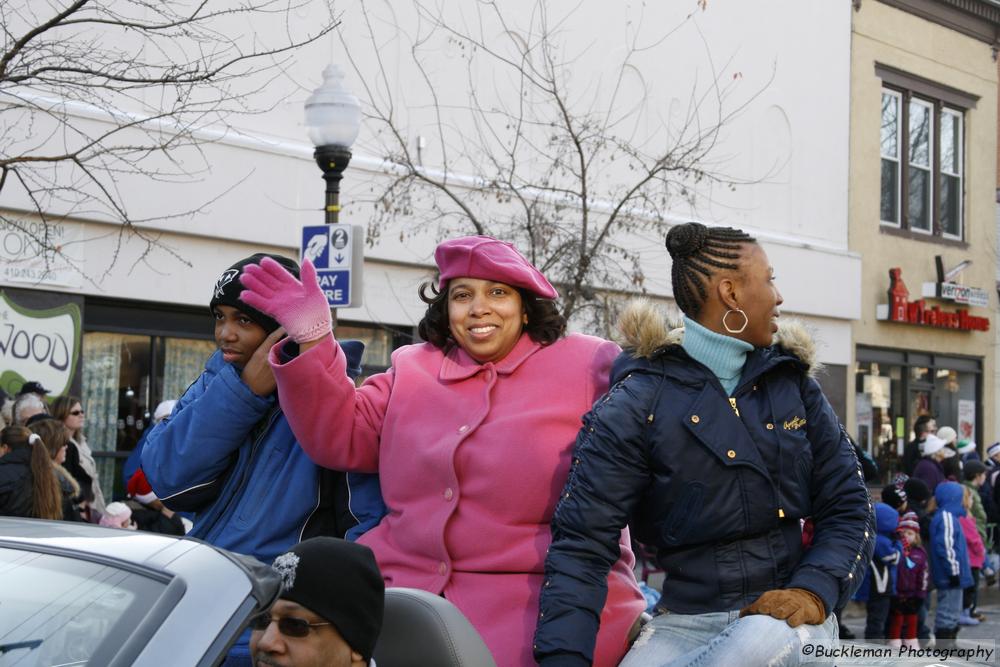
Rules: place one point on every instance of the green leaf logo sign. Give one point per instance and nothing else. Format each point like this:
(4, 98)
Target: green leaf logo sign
(40, 345)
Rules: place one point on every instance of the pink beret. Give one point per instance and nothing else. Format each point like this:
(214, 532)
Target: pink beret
(487, 258)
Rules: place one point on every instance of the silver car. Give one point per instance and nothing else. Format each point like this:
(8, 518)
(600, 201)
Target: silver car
(76, 594)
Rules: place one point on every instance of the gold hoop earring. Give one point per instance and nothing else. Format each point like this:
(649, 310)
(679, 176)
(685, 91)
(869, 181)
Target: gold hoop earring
(746, 320)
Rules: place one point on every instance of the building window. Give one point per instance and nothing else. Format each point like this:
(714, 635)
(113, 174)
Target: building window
(893, 388)
(124, 379)
(922, 165)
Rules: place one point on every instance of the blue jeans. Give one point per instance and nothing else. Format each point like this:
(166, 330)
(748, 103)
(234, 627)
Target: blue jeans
(723, 638)
(949, 608)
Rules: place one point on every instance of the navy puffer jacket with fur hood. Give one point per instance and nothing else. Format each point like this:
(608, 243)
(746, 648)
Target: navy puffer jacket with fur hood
(717, 483)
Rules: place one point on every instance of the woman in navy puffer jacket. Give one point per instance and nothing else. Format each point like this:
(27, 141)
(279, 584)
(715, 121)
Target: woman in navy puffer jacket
(713, 443)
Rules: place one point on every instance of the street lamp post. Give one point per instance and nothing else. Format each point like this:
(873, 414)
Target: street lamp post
(333, 117)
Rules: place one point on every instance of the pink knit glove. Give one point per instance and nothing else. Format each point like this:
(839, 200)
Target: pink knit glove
(298, 306)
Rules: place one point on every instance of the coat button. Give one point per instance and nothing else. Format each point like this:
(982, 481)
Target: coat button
(731, 454)
(463, 428)
(770, 427)
(443, 568)
(695, 419)
(448, 494)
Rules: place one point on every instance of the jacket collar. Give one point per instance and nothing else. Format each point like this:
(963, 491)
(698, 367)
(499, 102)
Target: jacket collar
(688, 370)
(458, 365)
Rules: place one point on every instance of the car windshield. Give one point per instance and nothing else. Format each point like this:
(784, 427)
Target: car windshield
(56, 610)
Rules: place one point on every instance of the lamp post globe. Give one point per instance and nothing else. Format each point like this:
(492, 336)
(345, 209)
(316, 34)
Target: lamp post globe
(333, 116)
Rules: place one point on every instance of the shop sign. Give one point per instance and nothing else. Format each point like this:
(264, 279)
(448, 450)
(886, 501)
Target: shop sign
(901, 309)
(40, 345)
(23, 261)
(972, 296)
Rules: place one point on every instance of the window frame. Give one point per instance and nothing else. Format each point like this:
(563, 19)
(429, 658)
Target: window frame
(945, 100)
(931, 169)
(949, 111)
(897, 158)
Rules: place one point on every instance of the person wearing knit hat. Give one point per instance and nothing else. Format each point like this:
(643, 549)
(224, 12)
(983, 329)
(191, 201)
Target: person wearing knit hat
(948, 434)
(911, 586)
(148, 512)
(227, 454)
(967, 450)
(909, 521)
(894, 497)
(117, 515)
(917, 493)
(330, 610)
(929, 468)
(472, 431)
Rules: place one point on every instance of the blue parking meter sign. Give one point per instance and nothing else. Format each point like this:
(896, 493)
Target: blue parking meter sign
(316, 245)
(329, 248)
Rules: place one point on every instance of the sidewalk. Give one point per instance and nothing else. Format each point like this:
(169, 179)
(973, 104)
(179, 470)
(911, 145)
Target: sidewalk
(989, 606)
(986, 632)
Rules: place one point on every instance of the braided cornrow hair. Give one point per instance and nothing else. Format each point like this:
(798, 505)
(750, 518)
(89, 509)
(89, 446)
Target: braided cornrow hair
(697, 249)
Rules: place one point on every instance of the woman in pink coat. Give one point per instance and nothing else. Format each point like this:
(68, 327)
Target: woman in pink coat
(471, 434)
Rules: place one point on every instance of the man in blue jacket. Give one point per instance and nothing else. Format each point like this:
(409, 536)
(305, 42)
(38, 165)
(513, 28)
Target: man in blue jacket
(227, 452)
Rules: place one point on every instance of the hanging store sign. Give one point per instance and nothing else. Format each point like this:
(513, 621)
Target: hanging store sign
(39, 345)
(972, 296)
(948, 290)
(901, 309)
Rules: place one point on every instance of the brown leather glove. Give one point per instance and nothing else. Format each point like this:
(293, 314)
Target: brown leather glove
(795, 606)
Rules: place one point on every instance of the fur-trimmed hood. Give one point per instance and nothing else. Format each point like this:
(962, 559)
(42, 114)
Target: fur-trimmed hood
(643, 330)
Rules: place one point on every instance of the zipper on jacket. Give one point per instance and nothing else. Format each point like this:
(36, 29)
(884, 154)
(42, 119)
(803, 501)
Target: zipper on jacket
(732, 403)
(244, 474)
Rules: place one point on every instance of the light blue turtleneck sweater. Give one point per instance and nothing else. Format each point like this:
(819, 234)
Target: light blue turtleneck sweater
(723, 355)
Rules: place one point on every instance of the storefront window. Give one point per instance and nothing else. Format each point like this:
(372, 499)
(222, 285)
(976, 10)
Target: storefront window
(879, 407)
(955, 401)
(894, 388)
(379, 344)
(124, 378)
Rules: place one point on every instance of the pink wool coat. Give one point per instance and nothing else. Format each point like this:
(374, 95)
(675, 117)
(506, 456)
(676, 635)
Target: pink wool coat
(472, 459)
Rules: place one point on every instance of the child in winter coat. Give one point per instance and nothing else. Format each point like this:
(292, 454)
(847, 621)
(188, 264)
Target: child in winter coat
(949, 561)
(879, 584)
(977, 556)
(911, 585)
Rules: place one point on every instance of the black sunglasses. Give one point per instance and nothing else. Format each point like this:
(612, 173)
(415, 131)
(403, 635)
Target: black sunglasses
(76, 413)
(290, 626)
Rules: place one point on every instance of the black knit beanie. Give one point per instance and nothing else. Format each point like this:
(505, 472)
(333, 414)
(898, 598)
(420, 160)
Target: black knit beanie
(228, 288)
(340, 581)
(893, 496)
(917, 490)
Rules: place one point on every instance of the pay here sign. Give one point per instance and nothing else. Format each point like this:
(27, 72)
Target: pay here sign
(331, 249)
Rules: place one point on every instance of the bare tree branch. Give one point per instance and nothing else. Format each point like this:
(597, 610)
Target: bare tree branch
(95, 94)
(564, 166)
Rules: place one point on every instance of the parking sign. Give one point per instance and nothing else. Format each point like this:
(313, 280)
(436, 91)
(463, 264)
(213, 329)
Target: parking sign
(331, 248)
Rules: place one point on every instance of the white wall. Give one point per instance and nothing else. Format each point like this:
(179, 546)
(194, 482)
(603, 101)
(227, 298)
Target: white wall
(791, 141)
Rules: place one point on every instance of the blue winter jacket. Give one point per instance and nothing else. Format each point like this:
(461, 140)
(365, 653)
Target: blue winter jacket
(948, 555)
(880, 575)
(717, 484)
(230, 456)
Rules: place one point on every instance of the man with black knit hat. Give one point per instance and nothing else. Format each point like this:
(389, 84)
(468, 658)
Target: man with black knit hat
(227, 454)
(330, 611)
